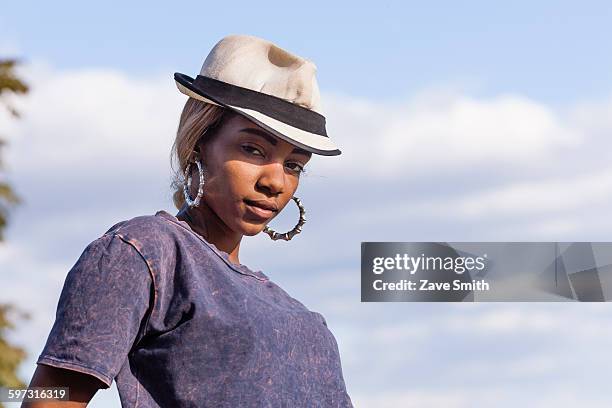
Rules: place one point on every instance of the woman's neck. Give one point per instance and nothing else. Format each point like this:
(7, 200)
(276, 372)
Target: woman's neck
(207, 224)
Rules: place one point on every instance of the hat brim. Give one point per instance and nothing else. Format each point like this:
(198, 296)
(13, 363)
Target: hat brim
(311, 142)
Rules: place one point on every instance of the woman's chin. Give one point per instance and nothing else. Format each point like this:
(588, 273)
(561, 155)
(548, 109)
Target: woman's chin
(250, 229)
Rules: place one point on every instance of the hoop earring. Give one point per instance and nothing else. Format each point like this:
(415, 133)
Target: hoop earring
(296, 230)
(188, 200)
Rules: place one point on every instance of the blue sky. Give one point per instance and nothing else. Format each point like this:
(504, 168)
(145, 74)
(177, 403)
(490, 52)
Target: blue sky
(553, 51)
(470, 121)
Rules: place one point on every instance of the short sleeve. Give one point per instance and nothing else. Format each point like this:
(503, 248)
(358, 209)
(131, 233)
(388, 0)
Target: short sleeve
(101, 311)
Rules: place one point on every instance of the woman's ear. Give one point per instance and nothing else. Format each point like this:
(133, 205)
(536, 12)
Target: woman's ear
(195, 155)
(199, 149)
(200, 152)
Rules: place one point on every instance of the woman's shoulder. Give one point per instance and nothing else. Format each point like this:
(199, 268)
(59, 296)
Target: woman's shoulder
(150, 231)
(148, 223)
(160, 240)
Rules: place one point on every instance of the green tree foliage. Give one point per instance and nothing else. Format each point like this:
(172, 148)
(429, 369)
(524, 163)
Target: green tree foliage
(9, 84)
(10, 356)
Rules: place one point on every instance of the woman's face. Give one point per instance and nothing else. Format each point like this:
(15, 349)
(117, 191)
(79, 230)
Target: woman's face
(248, 168)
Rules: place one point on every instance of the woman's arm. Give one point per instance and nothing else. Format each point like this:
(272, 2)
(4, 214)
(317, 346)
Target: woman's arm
(101, 310)
(81, 387)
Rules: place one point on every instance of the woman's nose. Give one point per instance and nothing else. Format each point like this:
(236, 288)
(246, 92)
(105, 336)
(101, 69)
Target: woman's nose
(272, 178)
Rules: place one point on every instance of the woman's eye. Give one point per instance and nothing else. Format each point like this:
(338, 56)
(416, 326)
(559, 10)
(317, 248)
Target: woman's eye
(251, 149)
(296, 167)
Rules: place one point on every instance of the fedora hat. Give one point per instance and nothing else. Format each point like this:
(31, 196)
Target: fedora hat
(266, 84)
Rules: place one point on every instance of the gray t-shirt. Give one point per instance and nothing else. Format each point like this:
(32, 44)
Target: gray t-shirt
(164, 313)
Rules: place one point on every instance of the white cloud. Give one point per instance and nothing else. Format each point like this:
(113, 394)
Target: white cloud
(95, 118)
(548, 206)
(411, 399)
(430, 134)
(540, 196)
(480, 396)
(595, 117)
(472, 354)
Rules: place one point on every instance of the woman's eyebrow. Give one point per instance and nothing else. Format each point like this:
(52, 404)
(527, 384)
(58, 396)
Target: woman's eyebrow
(272, 140)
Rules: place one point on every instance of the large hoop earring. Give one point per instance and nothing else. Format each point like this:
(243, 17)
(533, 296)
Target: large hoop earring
(195, 202)
(296, 230)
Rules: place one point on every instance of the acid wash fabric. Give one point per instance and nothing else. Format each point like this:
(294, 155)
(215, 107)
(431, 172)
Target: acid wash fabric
(165, 314)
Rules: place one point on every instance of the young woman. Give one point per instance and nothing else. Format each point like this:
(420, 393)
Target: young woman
(161, 303)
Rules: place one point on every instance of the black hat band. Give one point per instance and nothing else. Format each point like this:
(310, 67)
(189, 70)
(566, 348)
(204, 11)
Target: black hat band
(272, 106)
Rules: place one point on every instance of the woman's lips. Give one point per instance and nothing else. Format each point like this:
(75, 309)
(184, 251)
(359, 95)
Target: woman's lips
(257, 211)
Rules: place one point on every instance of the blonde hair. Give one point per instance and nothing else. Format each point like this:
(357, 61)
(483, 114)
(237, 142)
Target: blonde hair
(196, 117)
